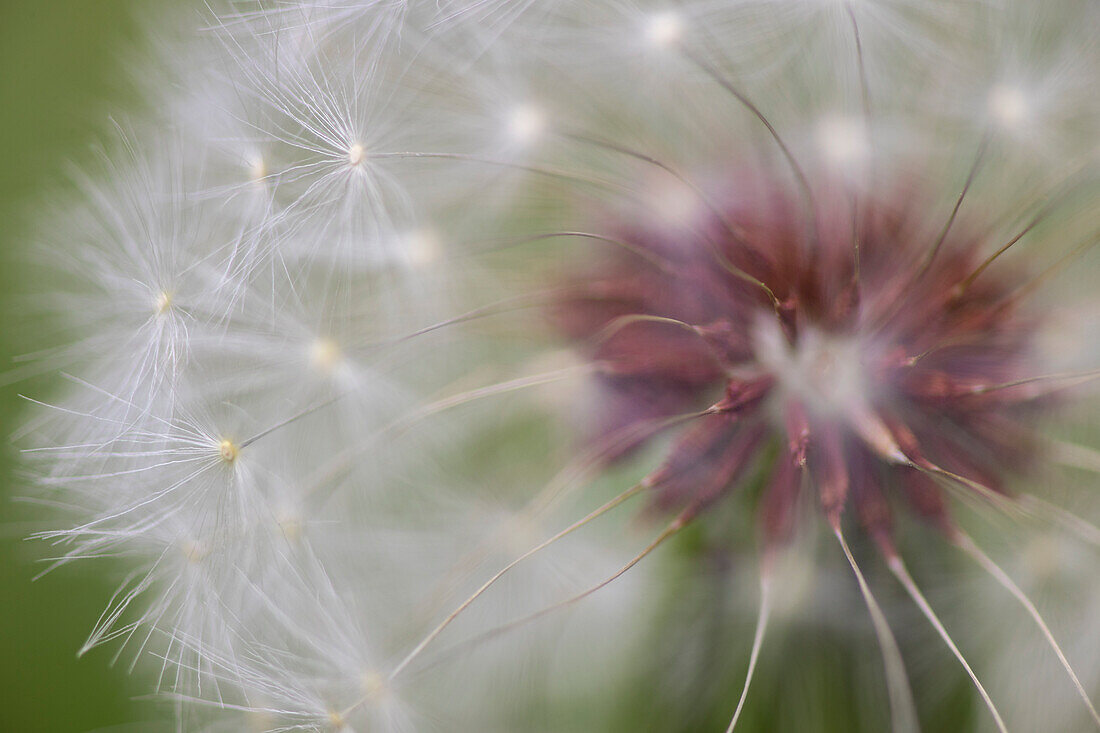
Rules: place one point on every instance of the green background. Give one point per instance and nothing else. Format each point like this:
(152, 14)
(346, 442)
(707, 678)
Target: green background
(60, 78)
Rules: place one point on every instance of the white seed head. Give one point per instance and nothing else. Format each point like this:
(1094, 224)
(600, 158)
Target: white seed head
(218, 280)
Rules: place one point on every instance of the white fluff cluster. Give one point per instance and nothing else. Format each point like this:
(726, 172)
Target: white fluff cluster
(281, 296)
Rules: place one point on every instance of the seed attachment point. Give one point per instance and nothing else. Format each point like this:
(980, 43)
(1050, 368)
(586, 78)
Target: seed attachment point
(194, 551)
(325, 355)
(257, 168)
(374, 686)
(356, 154)
(228, 450)
(163, 302)
(336, 720)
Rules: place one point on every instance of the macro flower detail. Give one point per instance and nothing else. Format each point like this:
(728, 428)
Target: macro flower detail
(866, 354)
(857, 344)
(378, 320)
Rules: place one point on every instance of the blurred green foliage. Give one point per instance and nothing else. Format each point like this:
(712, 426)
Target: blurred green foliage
(59, 81)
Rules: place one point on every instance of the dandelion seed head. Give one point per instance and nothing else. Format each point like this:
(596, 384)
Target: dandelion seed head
(752, 291)
(847, 365)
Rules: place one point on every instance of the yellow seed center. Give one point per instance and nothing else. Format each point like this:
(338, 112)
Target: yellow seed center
(257, 169)
(291, 527)
(336, 720)
(194, 550)
(325, 354)
(163, 302)
(374, 685)
(228, 450)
